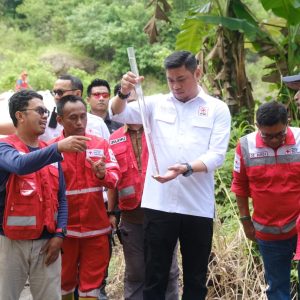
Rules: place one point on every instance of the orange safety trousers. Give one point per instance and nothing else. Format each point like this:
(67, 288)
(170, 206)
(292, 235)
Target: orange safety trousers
(84, 263)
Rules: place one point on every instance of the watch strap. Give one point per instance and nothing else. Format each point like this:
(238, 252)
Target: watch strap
(122, 96)
(189, 170)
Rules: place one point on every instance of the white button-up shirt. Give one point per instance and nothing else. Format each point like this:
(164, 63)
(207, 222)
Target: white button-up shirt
(183, 132)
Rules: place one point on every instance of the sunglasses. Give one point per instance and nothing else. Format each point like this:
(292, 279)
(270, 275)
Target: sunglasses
(40, 110)
(60, 92)
(103, 95)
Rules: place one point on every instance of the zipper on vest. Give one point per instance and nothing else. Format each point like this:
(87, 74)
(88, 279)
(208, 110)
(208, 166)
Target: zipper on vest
(12, 207)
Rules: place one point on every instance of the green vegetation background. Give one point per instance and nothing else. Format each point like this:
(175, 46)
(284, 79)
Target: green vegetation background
(97, 32)
(90, 38)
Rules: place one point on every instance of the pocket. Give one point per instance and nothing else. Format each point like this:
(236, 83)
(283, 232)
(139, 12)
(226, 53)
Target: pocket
(27, 185)
(164, 126)
(199, 134)
(121, 157)
(259, 177)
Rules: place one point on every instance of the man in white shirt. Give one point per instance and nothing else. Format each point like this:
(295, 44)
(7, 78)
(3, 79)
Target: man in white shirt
(71, 85)
(64, 85)
(190, 132)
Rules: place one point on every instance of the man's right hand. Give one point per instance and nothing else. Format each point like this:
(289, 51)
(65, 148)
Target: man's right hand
(128, 82)
(113, 222)
(249, 230)
(73, 144)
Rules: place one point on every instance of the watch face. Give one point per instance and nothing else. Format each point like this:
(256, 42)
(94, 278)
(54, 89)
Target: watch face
(189, 170)
(188, 173)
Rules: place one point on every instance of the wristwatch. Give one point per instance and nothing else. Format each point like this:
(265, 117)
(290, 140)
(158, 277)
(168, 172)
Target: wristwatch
(61, 230)
(189, 170)
(122, 96)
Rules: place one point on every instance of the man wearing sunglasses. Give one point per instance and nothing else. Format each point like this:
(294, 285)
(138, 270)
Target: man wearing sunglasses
(98, 95)
(267, 168)
(33, 207)
(65, 85)
(71, 85)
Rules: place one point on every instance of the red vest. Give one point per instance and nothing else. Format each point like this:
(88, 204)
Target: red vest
(86, 211)
(131, 185)
(31, 200)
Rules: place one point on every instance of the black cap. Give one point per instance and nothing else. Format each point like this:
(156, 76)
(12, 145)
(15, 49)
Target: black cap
(293, 82)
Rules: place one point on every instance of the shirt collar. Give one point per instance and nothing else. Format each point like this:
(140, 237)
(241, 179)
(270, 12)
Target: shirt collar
(126, 128)
(200, 96)
(289, 139)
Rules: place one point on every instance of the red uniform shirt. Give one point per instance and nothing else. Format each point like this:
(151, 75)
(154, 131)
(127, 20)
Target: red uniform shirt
(272, 179)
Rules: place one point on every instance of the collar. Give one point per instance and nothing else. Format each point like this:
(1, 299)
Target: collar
(200, 96)
(289, 139)
(126, 129)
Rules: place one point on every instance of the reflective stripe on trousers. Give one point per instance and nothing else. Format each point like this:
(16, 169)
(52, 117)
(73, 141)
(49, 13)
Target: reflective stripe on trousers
(72, 233)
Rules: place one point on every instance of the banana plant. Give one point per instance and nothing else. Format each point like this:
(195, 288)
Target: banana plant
(217, 31)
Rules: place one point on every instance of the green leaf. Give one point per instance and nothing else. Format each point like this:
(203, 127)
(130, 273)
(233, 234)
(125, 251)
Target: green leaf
(287, 9)
(189, 37)
(242, 12)
(231, 23)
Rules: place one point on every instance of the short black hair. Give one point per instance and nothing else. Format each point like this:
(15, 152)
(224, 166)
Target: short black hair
(181, 58)
(68, 98)
(97, 82)
(19, 101)
(76, 83)
(271, 113)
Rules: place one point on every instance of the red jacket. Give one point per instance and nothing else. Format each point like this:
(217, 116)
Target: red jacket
(31, 200)
(131, 185)
(87, 213)
(271, 178)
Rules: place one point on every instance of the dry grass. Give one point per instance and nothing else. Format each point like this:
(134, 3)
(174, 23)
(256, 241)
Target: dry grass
(235, 268)
(234, 272)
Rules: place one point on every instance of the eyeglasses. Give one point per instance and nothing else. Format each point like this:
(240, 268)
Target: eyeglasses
(40, 110)
(103, 95)
(278, 135)
(60, 92)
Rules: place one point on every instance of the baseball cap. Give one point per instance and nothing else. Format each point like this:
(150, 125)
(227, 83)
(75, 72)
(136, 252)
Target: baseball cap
(292, 82)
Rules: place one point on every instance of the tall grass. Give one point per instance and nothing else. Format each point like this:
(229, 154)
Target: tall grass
(235, 270)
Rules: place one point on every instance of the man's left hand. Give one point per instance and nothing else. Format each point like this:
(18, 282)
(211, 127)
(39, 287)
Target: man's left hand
(172, 173)
(51, 250)
(98, 167)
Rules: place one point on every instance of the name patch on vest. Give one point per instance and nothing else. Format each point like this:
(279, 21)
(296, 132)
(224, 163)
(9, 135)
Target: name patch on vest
(118, 140)
(259, 154)
(94, 153)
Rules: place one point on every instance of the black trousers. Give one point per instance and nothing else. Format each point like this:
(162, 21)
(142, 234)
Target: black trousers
(161, 231)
